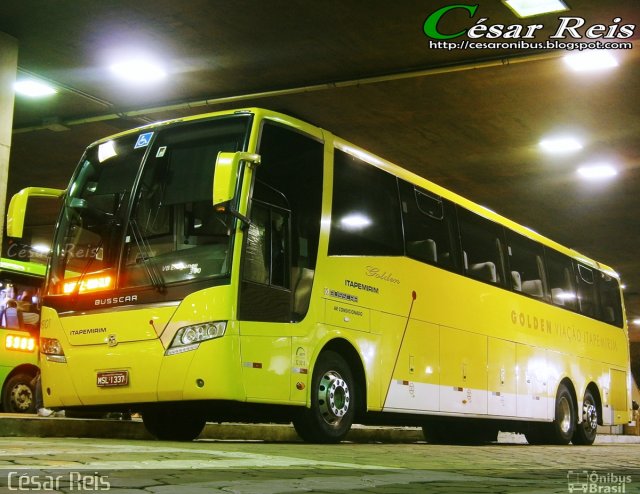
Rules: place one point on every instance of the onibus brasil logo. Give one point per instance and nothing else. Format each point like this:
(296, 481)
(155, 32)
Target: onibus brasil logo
(597, 482)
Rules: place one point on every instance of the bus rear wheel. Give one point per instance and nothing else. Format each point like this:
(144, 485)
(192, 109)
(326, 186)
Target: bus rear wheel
(173, 423)
(332, 410)
(564, 425)
(561, 430)
(18, 395)
(587, 430)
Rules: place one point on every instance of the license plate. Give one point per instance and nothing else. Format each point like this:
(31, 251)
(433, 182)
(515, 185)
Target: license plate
(112, 378)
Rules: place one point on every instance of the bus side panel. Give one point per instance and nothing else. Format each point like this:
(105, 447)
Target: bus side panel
(463, 383)
(502, 378)
(387, 331)
(415, 381)
(532, 377)
(618, 397)
(213, 372)
(266, 366)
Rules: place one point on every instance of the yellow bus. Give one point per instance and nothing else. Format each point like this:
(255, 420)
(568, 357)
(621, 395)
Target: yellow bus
(247, 266)
(20, 286)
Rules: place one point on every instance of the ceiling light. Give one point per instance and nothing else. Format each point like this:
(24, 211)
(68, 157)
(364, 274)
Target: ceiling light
(528, 8)
(597, 171)
(590, 60)
(636, 322)
(139, 71)
(560, 144)
(33, 89)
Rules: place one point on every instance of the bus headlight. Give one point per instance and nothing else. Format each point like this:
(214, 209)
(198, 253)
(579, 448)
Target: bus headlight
(52, 350)
(189, 337)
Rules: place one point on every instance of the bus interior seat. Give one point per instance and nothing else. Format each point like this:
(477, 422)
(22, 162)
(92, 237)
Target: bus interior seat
(425, 250)
(586, 307)
(12, 317)
(484, 271)
(533, 288)
(302, 288)
(516, 281)
(608, 314)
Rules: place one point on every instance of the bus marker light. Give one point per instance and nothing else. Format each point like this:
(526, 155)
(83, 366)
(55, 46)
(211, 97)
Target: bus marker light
(89, 284)
(20, 343)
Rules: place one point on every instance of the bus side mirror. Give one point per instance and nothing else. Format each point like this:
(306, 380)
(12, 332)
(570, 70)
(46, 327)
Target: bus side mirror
(225, 176)
(18, 207)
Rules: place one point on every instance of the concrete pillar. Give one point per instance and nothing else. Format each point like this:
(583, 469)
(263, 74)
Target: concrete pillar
(8, 70)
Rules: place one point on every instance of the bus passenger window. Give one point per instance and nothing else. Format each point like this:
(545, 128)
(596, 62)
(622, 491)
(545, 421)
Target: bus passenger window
(611, 305)
(526, 265)
(481, 247)
(428, 226)
(365, 214)
(561, 280)
(586, 291)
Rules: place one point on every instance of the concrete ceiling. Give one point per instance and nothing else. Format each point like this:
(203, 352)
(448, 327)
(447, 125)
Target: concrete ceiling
(475, 131)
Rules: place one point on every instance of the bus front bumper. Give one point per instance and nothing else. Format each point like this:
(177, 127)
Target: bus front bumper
(139, 372)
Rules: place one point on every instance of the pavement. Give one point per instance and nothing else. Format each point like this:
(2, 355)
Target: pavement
(23, 425)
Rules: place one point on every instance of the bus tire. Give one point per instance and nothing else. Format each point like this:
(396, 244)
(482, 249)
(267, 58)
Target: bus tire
(332, 410)
(18, 396)
(564, 425)
(172, 424)
(537, 433)
(459, 433)
(434, 433)
(586, 431)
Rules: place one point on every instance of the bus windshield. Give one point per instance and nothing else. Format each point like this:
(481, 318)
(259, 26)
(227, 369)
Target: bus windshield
(138, 212)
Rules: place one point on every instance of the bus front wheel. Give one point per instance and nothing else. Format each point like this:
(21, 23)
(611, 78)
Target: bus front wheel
(587, 430)
(173, 424)
(332, 410)
(18, 395)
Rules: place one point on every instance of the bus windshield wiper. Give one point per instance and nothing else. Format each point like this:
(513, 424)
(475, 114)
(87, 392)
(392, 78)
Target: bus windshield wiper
(145, 252)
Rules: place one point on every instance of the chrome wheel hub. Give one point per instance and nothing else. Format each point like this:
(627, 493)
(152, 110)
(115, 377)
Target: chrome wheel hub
(333, 397)
(565, 416)
(590, 416)
(21, 397)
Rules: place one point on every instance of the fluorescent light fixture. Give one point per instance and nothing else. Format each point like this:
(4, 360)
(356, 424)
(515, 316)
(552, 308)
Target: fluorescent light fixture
(636, 322)
(528, 8)
(560, 144)
(597, 171)
(591, 60)
(33, 89)
(139, 71)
